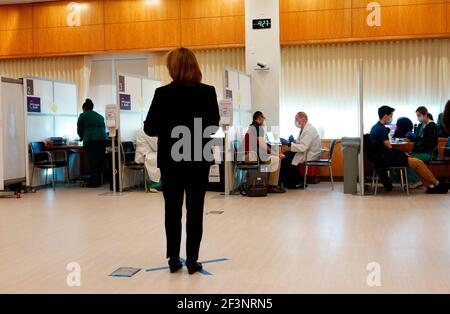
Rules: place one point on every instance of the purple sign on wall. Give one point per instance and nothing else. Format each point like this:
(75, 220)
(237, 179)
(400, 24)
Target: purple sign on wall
(34, 104)
(125, 102)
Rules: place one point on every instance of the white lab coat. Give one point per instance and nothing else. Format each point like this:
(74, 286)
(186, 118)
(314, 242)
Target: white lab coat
(146, 153)
(307, 146)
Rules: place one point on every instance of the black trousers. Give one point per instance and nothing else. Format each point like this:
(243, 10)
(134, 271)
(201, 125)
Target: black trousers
(289, 175)
(95, 151)
(176, 183)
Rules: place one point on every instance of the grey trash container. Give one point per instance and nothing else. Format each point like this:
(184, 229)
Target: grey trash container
(350, 148)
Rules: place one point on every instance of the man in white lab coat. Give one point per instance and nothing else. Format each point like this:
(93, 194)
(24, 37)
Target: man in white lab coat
(307, 147)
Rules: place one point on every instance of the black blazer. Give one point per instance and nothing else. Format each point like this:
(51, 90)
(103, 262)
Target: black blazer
(177, 105)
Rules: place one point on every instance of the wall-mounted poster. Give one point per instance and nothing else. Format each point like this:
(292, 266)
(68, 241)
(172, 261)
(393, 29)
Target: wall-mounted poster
(34, 104)
(125, 102)
(121, 84)
(229, 94)
(30, 87)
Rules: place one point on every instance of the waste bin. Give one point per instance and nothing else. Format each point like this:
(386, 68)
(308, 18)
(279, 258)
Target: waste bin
(350, 148)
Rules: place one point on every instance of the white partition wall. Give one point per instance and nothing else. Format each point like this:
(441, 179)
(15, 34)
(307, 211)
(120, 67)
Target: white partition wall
(50, 111)
(134, 96)
(237, 88)
(12, 132)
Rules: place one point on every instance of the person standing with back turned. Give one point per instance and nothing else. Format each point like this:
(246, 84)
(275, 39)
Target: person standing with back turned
(92, 131)
(178, 107)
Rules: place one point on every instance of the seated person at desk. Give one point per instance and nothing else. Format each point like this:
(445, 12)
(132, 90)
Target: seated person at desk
(404, 126)
(425, 140)
(254, 141)
(440, 124)
(147, 154)
(307, 147)
(385, 156)
(92, 131)
(446, 118)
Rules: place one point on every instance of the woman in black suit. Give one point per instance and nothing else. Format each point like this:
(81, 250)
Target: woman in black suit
(183, 115)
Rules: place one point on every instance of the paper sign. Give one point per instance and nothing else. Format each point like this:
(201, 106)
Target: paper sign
(34, 104)
(214, 174)
(226, 112)
(125, 102)
(121, 84)
(111, 116)
(30, 87)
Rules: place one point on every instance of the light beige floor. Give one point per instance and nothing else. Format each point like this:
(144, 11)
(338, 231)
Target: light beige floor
(304, 241)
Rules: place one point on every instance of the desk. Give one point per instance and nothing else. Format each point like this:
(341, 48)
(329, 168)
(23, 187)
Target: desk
(82, 168)
(404, 146)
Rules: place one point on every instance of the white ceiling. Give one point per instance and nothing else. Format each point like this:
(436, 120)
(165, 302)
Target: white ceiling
(21, 1)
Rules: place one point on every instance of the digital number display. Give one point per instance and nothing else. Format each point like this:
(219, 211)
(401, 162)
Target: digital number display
(262, 24)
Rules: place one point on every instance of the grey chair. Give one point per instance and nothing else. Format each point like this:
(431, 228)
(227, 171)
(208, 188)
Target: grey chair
(241, 166)
(403, 179)
(128, 151)
(41, 158)
(443, 159)
(328, 162)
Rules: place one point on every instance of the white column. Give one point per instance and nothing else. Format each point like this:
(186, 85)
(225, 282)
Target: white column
(263, 45)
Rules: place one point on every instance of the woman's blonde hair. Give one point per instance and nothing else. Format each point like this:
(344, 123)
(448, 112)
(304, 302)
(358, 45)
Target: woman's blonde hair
(183, 67)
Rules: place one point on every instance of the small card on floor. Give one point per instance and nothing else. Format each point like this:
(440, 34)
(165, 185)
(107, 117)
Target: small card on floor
(215, 212)
(125, 272)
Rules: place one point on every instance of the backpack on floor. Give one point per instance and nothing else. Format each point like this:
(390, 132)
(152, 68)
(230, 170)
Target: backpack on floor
(256, 185)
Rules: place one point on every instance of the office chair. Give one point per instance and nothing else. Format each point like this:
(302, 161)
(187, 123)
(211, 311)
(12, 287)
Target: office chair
(403, 179)
(328, 162)
(128, 151)
(241, 166)
(41, 158)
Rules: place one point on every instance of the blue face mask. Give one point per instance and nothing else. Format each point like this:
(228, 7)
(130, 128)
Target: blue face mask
(421, 119)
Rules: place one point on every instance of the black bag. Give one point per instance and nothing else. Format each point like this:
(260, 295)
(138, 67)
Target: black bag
(256, 185)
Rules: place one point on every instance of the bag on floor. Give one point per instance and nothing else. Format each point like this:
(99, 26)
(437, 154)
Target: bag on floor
(256, 185)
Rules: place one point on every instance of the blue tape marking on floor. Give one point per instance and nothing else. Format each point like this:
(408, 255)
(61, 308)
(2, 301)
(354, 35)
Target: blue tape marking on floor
(157, 269)
(215, 260)
(183, 261)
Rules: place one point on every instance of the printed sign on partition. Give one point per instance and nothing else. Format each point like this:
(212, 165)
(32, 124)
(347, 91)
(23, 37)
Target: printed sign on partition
(34, 104)
(125, 102)
(30, 87)
(121, 84)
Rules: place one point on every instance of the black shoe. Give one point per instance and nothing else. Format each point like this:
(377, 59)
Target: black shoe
(175, 265)
(441, 188)
(194, 267)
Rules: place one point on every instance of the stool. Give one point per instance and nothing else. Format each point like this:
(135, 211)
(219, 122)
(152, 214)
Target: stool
(403, 179)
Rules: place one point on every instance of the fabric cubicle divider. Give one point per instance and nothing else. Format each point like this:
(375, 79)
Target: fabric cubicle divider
(50, 111)
(12, 133)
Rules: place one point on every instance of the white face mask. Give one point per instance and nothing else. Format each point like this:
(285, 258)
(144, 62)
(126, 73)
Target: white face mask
(297, 124)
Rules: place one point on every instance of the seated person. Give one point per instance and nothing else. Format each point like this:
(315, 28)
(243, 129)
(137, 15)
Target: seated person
(147, 153)
(385, 156)
(425, 140)
(440, 125)
(404, 126)
(307, 147)
(446, 118)
(254, 141)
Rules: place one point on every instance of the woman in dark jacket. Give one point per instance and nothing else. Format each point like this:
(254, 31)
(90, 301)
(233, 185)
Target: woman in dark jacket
(183, 115)
(425, 141)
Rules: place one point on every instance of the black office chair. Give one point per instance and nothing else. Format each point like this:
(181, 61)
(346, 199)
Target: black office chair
(128, 151)
(41, 158)
(241, 165)
(328, 162)
(442, 159)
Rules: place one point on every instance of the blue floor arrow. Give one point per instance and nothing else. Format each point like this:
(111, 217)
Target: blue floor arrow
(183, 261)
